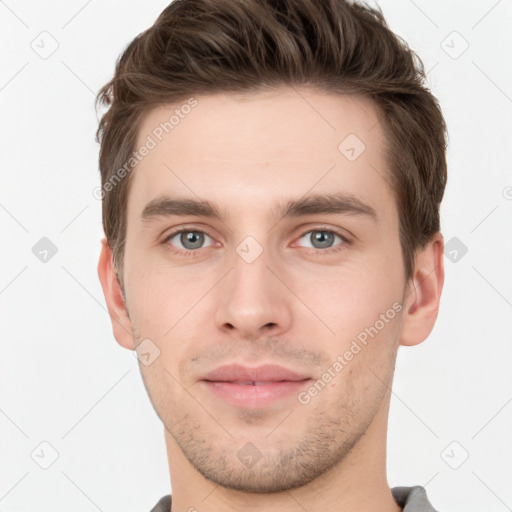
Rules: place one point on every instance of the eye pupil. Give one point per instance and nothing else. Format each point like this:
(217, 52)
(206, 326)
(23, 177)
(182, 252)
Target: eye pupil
(323, 237)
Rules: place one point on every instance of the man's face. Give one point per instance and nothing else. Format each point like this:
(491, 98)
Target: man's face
(255, 287)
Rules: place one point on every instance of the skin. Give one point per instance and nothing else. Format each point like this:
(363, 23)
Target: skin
(295, 305)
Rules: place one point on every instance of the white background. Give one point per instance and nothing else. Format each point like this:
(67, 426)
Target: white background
(64, 379)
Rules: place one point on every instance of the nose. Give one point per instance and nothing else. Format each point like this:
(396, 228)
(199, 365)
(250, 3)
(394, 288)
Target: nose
(252, 299)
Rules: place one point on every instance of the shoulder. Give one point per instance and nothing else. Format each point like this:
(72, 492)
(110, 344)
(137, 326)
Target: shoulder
(164, 505)
(412, 499)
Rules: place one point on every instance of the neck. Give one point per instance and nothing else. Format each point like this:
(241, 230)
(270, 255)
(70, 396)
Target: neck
(357, 483)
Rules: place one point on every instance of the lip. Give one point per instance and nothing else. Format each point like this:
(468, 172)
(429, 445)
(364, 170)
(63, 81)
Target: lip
(263, 373)
(234, 384)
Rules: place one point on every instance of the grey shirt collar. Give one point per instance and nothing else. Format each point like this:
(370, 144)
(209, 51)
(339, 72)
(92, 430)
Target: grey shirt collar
(411, 499)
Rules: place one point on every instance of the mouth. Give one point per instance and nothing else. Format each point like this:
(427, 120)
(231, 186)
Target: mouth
(253, 375)
(252, 383)
(244, 387)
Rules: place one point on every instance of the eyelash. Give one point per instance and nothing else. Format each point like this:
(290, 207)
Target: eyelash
(192, 253)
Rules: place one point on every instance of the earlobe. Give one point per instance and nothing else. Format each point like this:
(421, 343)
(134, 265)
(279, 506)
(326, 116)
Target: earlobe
(121, 324)
(423, 297)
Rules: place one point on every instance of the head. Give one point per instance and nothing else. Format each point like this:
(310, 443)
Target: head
(255, 126)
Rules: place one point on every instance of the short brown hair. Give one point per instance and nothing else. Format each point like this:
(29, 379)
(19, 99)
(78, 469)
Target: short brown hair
(206, 46)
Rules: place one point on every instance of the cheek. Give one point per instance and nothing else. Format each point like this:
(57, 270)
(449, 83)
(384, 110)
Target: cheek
(347, 298)
(163, 300)
(161, 309)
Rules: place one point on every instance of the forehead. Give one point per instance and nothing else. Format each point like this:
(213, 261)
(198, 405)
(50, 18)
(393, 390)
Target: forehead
(285, 143)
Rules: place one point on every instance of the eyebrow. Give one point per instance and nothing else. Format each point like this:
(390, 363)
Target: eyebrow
(318, 204)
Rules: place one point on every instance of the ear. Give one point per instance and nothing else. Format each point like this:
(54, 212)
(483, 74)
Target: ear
(121, 324)
(424, 293)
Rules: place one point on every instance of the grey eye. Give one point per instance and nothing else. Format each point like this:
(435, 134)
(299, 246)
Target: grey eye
(320, 238)
(189, 239)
